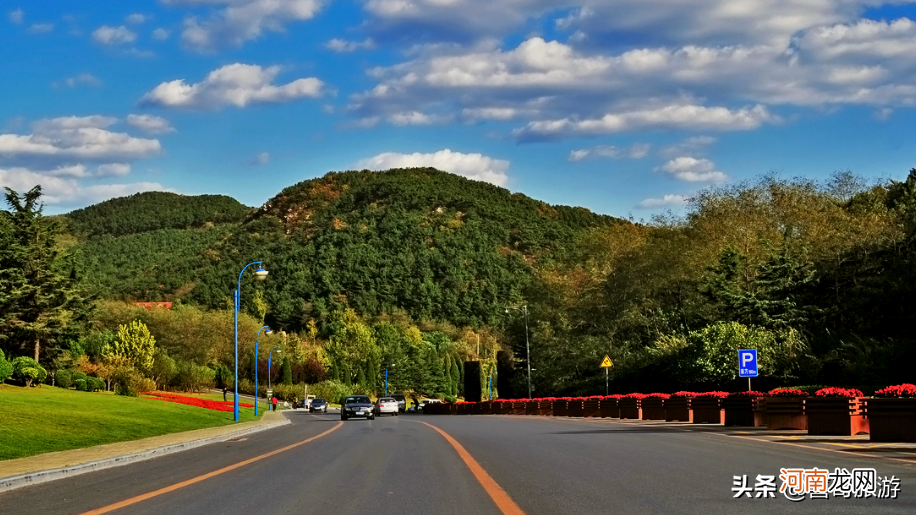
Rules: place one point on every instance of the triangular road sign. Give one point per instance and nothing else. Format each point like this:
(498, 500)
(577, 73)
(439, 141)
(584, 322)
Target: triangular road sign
(607, 363)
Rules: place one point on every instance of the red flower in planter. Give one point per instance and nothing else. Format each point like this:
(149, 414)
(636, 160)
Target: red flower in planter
(749, 393)
(658, 395)
(635, 396)
(787, 392)
(839, 392)
(685, 394)
(900, 390)
(720, 395)
(614, 396)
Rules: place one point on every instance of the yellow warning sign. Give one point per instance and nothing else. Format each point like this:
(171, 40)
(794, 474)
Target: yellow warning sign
(607, 363)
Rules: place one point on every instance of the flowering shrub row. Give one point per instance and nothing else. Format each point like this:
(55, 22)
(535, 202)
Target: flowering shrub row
(900, 390)
(839, 392)
(193, 401)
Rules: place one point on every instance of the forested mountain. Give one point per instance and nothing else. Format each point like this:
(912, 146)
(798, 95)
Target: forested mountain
(430, 243)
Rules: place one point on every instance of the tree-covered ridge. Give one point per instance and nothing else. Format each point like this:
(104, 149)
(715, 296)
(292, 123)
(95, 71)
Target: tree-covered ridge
(150, 211)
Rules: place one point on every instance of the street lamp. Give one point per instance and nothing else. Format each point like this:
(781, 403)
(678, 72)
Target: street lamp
(527, 345)
(269, 356)
(386, 378)
(268, 332)
(259, 274)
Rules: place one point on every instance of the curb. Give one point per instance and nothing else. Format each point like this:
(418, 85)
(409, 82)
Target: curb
(43, 476)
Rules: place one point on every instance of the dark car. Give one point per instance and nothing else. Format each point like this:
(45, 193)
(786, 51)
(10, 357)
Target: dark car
(319, 405)
(402, 401)
(357, 406)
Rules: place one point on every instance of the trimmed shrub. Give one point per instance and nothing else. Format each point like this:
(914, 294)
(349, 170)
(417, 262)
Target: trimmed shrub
(28, 371)
(63, 378)
(77, 375)
(128, 381)
(6, 368)
(331, 391)
(97, 384)
(192, 377)
(80, 384)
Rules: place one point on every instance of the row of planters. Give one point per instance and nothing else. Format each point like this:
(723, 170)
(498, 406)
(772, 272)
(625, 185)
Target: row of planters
(889, 416)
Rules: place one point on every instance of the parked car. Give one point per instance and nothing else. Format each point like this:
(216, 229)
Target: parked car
(319, 405)
(387, 405)
(425, 402)
(357, 406)
(402, 401)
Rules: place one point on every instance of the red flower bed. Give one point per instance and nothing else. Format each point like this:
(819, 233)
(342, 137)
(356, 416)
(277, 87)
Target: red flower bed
(719, 395)
(839, 392)
(193, 401)
(750, 393)
(787, 392)
(685, 394)
(635, 396)
(900, 390)
(658, 395)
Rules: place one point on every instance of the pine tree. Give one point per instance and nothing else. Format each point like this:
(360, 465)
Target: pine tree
(287, 372)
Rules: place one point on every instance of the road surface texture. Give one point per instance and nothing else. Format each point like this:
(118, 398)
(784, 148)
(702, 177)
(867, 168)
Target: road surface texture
(403, 465)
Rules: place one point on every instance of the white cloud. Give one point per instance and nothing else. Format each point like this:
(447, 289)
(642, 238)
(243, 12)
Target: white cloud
(106, 35)
(75, 138)
(261, 159)
(691, 169)
(17, 16)
(680, 117)
(238, 21)
(490, 113)
(135, 19)
(234, 84)
(473, 166)
(160, 34)
(82, 79)
(114, 169)
(70, 191)
(149, 123)
(415, 118)
(342, 45)
(666, 201)
(635, 151)
(691, 145)
(574, 17)
(41, 28)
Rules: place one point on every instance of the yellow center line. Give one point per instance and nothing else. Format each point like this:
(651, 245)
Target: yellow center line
(176, 486)
(499, 496)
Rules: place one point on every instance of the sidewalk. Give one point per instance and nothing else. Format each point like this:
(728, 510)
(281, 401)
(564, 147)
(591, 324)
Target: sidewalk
(55, 465)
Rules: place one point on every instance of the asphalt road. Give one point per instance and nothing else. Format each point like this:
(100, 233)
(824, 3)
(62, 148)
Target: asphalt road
(399, 465)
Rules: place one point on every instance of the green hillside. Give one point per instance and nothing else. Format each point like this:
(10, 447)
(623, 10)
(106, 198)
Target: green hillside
(431, 243)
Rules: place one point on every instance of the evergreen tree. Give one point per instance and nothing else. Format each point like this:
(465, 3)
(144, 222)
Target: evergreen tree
(287, 373)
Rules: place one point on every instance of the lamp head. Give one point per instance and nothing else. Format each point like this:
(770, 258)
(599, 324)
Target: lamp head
(268, 331)
(507, 310)
(260, 274)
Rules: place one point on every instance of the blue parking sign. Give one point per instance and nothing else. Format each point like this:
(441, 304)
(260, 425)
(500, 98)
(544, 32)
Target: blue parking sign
(747, 363)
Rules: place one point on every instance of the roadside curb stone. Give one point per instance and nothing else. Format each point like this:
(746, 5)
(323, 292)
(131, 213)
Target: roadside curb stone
(43, 476)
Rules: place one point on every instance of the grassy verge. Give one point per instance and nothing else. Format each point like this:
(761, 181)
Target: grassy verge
(39, 420)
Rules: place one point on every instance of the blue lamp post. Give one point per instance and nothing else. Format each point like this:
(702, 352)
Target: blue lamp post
(386, 378)
(268, 332)
(260, 274)
(269, 356)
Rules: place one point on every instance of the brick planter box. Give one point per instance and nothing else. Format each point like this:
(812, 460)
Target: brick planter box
(630, 408)
(486, 408)
(653, 408)
(609, 408)
(560, 408)
(842, 416)
(891, 419)
(574, 408)
(786, 413)
(591, 408)
(518, 408)
(707, 410)
(545, 408)
(678, 409)
(501, 407)
(531, 408)
(744, 411)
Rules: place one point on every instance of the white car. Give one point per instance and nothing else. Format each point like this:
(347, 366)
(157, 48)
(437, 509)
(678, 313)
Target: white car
(426, 402)
(387, 405)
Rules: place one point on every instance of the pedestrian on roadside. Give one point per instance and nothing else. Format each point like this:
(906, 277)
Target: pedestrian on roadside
(274, 401)
(225, 391)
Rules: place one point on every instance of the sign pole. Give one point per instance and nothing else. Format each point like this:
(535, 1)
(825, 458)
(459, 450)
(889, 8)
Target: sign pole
(748, 384)
(606, 387)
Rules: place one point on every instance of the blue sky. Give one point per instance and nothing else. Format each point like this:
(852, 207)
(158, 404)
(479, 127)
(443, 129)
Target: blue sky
(626, 107)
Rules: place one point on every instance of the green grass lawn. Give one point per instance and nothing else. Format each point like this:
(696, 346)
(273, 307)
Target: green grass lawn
(38, 420)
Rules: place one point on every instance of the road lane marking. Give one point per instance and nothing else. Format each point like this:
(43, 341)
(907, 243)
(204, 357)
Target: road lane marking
(826, 449)
(499, 496)
(176, 486)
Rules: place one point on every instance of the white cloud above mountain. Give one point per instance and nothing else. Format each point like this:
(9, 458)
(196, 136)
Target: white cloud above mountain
(473, 166)
(236, 85)
(691, 169)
